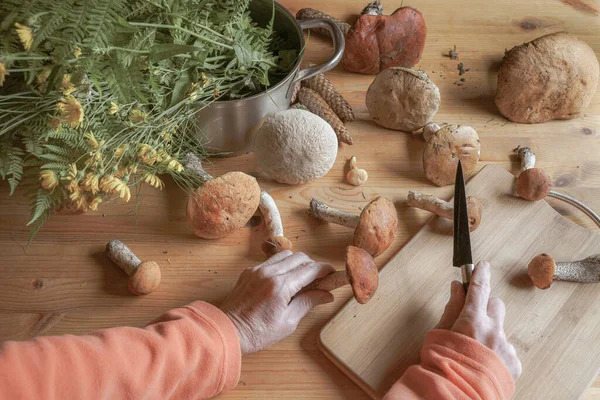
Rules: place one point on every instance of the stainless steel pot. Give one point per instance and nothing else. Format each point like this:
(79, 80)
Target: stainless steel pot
(230, 125)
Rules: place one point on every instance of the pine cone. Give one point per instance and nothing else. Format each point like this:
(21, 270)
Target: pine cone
(311, 13)
(317, 105)
(323, 86)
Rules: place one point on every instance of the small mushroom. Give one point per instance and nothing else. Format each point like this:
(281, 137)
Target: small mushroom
(444, 149)
(356, 176)
(361, 273)
(532, 183)
(221, 205)
(445, 209)
(374, 227)
(276, 241)
(542, 270)
(144, 275)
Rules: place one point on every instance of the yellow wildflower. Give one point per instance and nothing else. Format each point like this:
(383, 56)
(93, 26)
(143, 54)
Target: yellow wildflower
(95, 157)
(91, 139)
(110, 184)
(113, 109)
(175, 166)
(204, 80)
(76, 52)
(41, 79)
(136, 116)
(72, 172)
(90, 183)
(48, 179)
(94, 204)
(3, 73)
(154, 181)
(71, 111)
(216, 92)
(25, 35)
(120, 150)
(147, 154)
(67, 87)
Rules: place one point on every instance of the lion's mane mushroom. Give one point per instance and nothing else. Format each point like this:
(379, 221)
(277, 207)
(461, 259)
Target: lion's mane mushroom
(295, 146)
(144, 275)
(403, 99)
(361, 273)
(276, 241)
(222, 204)
(445, 209)
(532, 183)
(376, 42)
(542, 270)
(444, 149)
(375, 227)
(552, 77)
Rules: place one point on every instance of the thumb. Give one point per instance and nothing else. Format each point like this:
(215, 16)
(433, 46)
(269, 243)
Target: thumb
(454, 306)
(304, 302)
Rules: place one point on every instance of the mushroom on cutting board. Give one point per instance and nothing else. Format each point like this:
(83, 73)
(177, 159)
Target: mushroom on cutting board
(361, 273)
(445, 209)
(542, 270)
(532, 183)
(144, 275)
(276, 241)
(375, 227)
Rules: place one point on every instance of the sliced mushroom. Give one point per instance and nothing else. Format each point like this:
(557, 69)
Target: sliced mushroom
(445, 209)
(276, 241)
(542, 270)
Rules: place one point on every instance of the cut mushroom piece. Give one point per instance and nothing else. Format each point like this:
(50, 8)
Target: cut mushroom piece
(375, 227)
(276, 241)
(542, 270)
(361, 273)
(356, 176)
(532, 183)
(445, 209)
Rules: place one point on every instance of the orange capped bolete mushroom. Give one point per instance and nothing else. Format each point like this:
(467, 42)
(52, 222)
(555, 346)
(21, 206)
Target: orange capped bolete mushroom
(542, 270)
(223, 204)
(361, 273)
(532, 183)
(144, 275)
(375, 227)
(276, 241)
(445, 209)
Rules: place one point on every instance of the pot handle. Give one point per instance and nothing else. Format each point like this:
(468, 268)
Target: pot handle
(338, 47)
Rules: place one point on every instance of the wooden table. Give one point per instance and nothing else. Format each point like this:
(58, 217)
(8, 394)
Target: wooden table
(63, 283)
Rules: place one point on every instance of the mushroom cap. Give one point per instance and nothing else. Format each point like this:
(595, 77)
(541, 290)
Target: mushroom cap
(474, 209)
(376, 227)
(362, 273)
(533, 184)
(541, 270)
(403, 99)
(552, 77)
(145, 278)
(295, 146)
(445, 148)
(275, 244)
(223, 205)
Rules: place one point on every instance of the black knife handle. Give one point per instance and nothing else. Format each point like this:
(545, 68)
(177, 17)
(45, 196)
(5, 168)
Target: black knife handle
(467, 271)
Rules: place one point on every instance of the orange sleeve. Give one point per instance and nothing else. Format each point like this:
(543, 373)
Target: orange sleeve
(191, 352)
(454, 366)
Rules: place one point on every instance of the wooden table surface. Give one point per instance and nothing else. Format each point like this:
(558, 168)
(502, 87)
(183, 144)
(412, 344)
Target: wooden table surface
(64, 283)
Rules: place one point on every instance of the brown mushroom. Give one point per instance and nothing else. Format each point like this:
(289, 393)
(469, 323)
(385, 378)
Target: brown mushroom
(361, 273)
(542, 270)
(221, 205)
(144, 275)
(356, 176)
(445, 209)
(276, 241)
(444, 149)
(374, 227)
(532, 183)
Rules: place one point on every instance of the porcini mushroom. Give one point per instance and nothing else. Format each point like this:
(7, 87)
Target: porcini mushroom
(361, 273)
(542, 270)
(445, 209)
(444, 149)
(276, 241)
(532, 183)
(144, 276)
(375, 227)
(222, 204)
(356, 176)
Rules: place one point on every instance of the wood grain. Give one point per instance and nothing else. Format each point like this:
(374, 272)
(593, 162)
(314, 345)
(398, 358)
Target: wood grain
(63, 283)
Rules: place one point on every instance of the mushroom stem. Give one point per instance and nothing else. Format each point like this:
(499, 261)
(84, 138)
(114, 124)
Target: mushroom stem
(430, 203)
(373, 8)
(429, 130)
(330, 282)
(193, 163)
(122, 255)
(325, 213)
(271, 215)
(527, 157)
(584, 271)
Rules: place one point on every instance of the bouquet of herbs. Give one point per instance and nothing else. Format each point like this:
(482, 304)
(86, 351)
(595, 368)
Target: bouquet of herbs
(97, 96)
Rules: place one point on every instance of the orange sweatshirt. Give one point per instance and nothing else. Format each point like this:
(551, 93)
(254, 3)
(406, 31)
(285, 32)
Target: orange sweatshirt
(193, 352)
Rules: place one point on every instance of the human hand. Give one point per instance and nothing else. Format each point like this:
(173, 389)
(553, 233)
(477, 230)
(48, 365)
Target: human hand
(480, 317)
(261, 306)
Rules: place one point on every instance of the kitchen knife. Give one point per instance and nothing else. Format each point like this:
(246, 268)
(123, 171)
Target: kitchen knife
(463, 257)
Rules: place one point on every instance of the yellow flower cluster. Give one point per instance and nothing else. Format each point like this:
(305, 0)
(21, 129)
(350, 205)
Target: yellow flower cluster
(70, 111)
(25, 35)
(3, 73)
(112, 184)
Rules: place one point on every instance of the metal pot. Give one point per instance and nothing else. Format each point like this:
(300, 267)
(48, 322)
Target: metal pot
(230, 125)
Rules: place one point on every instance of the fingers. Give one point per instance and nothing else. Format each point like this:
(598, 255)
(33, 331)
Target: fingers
(285, 265)
(304, 274)
(496, 310)
(454, 306)
(282, 255)
(478, 293)
(304, 302)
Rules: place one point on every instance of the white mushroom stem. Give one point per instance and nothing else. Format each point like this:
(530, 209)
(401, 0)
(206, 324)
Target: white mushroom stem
(430, 203)
(325, 213)
(429, 130)
(193, 163)
(120, 254)
(584, 271)
(527, 157)
(271, 215)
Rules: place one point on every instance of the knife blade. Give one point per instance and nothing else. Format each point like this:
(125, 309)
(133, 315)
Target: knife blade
(462, 258)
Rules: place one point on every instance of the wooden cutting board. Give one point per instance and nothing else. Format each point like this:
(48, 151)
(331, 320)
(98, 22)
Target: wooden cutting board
(556, 332)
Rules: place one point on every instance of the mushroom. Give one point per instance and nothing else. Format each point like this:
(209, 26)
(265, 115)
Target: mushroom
(295, 146)
(542, 270)
(222, 204)
(276, 241)
(552, 77)
(444, 149)
(144, 275)
(403, 99)
(445, 209)
(361, 273)
(356, 176)
(532, 183)
(429, 129)
(374, 227)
